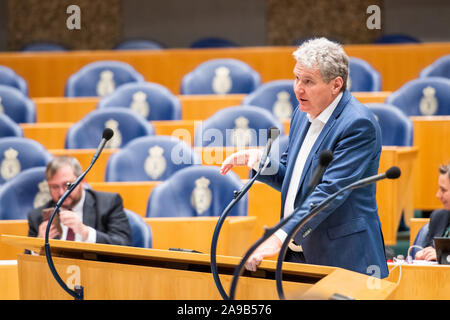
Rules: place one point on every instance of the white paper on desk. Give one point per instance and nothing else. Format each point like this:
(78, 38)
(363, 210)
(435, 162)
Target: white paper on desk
(424, 262)
(8, 262)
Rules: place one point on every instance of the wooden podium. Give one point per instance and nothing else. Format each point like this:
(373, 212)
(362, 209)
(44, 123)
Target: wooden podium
(119, 272)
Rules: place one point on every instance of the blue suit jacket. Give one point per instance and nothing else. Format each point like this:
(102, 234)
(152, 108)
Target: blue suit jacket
(347, 233)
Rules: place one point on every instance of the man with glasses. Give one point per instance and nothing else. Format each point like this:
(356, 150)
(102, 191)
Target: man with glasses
(86, 215)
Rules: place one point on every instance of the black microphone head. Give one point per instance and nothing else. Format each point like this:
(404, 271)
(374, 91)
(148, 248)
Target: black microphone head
(108, 133)
(393, 173)
(274, 132)
(325, 157)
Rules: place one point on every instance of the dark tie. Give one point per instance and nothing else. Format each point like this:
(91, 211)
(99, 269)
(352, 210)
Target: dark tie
(70, 235)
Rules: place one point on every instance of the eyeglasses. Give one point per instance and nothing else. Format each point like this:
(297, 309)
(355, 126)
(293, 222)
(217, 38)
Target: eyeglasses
(56, 187)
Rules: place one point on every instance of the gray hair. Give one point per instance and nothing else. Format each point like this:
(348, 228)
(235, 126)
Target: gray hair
(62, 161)
(329, 57)
(445, 169)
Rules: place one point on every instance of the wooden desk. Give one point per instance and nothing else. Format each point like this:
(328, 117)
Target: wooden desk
(236, 236)
(431, 137)
(9, 279)
(47, 74)
(118, 272)
(193, 107)
(419, 282)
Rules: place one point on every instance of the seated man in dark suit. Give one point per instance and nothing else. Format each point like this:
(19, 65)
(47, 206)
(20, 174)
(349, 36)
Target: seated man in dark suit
(439, 219)
(86, 215)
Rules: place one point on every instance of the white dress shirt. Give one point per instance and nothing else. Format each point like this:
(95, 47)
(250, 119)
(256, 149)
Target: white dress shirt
(313, 133)
(78, 209)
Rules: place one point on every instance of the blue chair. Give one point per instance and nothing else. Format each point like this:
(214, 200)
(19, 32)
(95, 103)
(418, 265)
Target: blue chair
(9, 128)
(139, 44)
(126, 124)
(43, 46)
(141, 233)
(396, 128)
(420, 240)
(362, 76)
(213, 42)
(196, 191)
(18, 107)
(18, 154)
(221, 76)
(26, 191)
(238, 126)
(100, 79)
(396, 38)
(9, 78)
(423, 97)
(150, 158)
(277, 96)
(151, 100)
(439, 68)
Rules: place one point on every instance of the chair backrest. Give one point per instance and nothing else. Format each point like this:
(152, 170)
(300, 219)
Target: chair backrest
(139, 44)
(238, 126)
(9, 78)
(150, 158)
(439, 68)
(43, 46)
(18, 154)
(221, 76)
(141, 232)
(277, 96)
(420, 240)
(16, 105)
(213, 42)
(9, 128)
(100, 79)
(125, 123)
(196, 191)
(396, 128)
(151, 100)
(396, 38)
(423, 97)
(362, 76)
(26, 191)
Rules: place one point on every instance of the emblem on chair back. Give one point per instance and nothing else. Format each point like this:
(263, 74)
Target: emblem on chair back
(140, 104)
(241, 136)
(201, 196)
(106, 83)
(155, 164)
(428, 103)
(43, 196)
(222, 82)
(116, 140)
(10, 165)
(282, 108)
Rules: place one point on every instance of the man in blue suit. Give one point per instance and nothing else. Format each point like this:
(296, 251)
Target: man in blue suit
(347, 233)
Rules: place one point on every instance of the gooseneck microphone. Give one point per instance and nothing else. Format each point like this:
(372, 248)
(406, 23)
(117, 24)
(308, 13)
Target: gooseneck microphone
(391, 173)
(78, 293)
(325, 158)
(272, 135)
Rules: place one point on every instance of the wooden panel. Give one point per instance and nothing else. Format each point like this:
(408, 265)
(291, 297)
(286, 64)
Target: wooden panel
(431, 137)
(9, 279)
(197, 233)
(414, 226)
(14, 227)
(47, 73)
(419, 282)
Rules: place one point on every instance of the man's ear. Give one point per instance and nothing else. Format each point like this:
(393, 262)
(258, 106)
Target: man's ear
(338, 82)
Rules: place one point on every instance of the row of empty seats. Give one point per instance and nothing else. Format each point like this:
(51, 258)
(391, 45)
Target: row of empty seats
(207, 42)
(144, 156)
